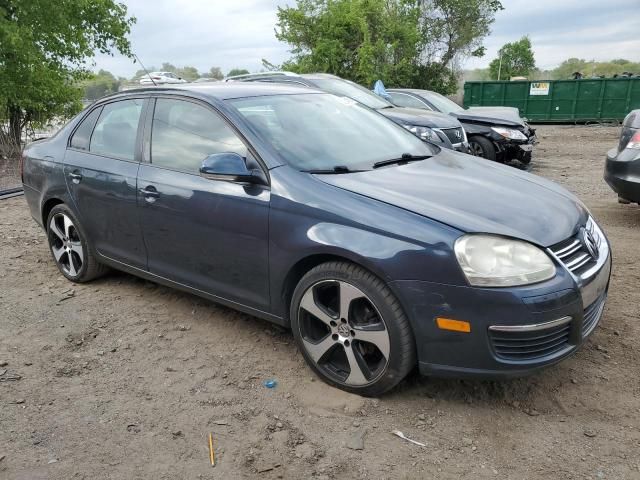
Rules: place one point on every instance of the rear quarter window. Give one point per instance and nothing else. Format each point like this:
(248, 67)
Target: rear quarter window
(82, 136)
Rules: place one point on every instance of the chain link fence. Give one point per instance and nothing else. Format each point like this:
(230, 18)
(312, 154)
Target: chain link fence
(10, 155)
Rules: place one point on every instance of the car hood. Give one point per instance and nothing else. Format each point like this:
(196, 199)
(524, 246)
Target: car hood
(496, 115)
(422, 118)
(473, 195)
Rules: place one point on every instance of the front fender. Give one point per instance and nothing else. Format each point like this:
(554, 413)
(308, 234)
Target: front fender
(311, 219)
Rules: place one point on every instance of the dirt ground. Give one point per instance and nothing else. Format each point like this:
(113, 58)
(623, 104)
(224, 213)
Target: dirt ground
(125, 379)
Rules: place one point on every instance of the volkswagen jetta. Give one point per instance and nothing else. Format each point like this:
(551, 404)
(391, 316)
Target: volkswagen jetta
(381, 252)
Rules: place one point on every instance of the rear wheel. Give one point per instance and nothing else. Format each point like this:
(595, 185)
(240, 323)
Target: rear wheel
(482, 147)
(69, 246)
(351, 329)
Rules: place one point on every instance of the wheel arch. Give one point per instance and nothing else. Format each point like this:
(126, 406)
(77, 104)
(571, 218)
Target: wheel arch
(305, 264)
(47, 206)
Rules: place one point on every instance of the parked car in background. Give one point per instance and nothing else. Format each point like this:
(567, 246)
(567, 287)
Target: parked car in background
(622, 170)
(494, 133)
(161, 78)
(430, 126)
(382, 252)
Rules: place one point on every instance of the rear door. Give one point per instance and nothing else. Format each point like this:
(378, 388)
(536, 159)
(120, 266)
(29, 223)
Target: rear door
(211, 235)
(101, 167)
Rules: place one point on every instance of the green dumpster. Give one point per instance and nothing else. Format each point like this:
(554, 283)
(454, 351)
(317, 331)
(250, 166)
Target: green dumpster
(593, 99)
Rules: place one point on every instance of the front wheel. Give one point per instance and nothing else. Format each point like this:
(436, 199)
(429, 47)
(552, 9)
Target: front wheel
(351, 329)
(482, 147)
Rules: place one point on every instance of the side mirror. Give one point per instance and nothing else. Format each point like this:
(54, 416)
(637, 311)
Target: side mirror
(229, 167)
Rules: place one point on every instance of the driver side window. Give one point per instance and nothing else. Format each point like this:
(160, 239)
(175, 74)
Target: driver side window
(184, 133)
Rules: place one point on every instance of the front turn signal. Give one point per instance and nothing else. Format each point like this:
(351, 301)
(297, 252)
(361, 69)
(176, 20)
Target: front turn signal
(453, 325)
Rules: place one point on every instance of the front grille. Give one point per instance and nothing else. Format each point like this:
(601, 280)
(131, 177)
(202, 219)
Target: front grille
(574, 253)
(530, 345)
(455, 135)
(591, 315)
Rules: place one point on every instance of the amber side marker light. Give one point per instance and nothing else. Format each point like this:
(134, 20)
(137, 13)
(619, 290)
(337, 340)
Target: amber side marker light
(453, 325)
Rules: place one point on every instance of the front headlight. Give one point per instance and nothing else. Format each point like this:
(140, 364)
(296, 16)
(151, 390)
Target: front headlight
(494, 261)
(425, 133)
(510, 133)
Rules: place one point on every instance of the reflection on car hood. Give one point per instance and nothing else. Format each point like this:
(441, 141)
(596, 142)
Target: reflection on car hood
(496, 115)
(422, 118)
(473, 195)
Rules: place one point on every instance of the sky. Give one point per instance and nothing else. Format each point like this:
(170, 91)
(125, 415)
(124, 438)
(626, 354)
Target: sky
(239, 33)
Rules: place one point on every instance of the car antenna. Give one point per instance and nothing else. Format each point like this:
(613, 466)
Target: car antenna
(145, 69)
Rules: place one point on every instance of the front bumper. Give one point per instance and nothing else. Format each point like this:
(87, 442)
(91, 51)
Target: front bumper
(557, 316)
(623, 174)
(516, 150)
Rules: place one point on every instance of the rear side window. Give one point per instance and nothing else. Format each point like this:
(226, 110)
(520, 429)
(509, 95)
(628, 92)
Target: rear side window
(82, 135)
(185, 133)
(116, 130)
(403, 100)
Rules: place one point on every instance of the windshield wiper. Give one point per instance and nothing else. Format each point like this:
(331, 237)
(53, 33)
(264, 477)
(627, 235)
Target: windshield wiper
(404, 158)
(334, 170)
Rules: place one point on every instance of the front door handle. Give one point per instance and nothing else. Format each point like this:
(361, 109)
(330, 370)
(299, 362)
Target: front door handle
(150, 193)
(75, 177)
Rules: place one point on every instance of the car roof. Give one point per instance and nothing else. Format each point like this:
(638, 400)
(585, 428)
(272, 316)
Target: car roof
(415, 91)
(283, 76)
(223, 90)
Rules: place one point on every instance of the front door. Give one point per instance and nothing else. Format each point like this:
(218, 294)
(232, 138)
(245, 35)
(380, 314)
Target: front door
(211, 235)
(100, 168)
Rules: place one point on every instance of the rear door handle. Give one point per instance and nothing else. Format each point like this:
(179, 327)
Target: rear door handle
(150, 193)
(75, 177)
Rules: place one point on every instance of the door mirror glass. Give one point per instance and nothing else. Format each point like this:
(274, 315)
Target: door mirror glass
(227, 166)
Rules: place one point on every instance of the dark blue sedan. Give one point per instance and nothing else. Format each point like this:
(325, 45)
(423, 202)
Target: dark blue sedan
(380, 251)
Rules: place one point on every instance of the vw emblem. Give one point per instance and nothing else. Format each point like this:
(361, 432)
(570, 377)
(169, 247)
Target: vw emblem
(590, 243)
(343, 329)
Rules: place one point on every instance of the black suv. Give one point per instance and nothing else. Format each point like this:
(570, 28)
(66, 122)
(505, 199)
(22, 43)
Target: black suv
(495, 133)
(622, 171)
(433, 127)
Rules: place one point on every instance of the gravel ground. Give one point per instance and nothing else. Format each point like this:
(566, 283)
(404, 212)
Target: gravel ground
(122, 378)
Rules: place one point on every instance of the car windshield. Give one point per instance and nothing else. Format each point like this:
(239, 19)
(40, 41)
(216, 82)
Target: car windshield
(345, 88)
(328, 133)
(442, 103)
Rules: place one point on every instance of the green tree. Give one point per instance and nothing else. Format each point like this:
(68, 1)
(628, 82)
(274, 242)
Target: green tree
(237, 71)
(590, 68)
(514, 59)
(141, 72)
(216, 72)
(188, 73)
(44, 49)
(408, 43)
(99, 85)
(168, 67)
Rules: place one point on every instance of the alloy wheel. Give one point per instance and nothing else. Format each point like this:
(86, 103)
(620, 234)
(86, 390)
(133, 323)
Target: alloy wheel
(476, 149)
(343, 333)
(66, 244)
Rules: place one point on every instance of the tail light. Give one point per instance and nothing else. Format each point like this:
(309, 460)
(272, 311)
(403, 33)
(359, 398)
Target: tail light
(634, 142)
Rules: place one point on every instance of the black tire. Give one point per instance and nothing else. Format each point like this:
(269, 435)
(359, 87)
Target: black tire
(482, 147)
(77, 262)
(381, 307)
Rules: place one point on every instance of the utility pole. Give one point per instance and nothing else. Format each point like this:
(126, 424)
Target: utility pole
(500, 65)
